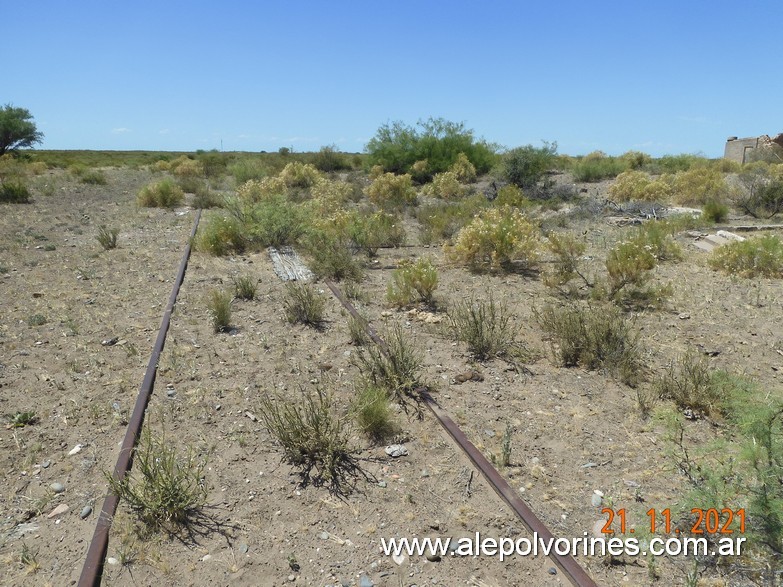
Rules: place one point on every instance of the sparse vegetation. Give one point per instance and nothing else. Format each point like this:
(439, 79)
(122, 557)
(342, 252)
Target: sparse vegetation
(107, 237)
(165, 489)
(391, 191)
(245, 287)
(395, 368)
(413, 282)
(303, 305)
(526, 166)
(484, 325)
(162, 194)
(219, 306)
(14, 192)
(760, 256)
(313, 438)
(373, 412)
(689, 383)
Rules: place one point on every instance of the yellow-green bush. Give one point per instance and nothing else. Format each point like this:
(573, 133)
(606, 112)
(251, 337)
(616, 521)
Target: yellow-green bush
(760, 256)
(256, 190)
(185, 167)
(331, 192)
(494, 239)
(412, 283)
(639, 186)
(162, 194)
(220, 236)
(300, 175)
(464, 169)
(389, 190)
(420, 171)
(445, 185)
(699, 185)
(511, 195)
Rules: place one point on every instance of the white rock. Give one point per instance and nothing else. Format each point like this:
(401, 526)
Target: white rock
(75, 450)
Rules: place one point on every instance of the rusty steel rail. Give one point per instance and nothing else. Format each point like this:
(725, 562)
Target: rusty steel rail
(92, 571)
(567, 564)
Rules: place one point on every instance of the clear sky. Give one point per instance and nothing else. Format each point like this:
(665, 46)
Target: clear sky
(663, 77)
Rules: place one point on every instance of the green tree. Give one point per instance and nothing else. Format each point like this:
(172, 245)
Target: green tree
(17, 129)
(525, 166)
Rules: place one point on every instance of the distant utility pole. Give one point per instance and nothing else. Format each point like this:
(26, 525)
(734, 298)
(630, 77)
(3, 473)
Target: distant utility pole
(221, 145)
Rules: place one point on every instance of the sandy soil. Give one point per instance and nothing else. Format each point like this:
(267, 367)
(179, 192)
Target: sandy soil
(574, 431)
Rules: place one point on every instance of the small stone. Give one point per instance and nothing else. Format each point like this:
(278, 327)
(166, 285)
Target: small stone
(382, 483)
(596, 500)
(59, 510)
(57, 487)
(243, 548)
(292, 578)
(398, 558)
(432, 557)
(75, 450)
(86, 511)
(170, 392)
(112, 561)
(46, 464)
(597, 529)
(552, 571)
(110, 341)
(364, 581)
(324, 536)
(425, 474)
(684, 316)
(489, 433)
(396, 450)
(251, 416)
(206, 558)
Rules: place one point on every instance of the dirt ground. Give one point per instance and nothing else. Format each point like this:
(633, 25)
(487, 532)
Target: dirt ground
(574, 431)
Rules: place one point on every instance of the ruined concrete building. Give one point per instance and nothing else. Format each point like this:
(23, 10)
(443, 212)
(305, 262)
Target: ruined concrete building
(745, 150)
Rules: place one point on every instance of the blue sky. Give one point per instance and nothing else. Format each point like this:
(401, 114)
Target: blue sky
(662, 77)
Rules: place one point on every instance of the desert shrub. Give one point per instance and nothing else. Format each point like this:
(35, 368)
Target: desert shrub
(300, 175)
(245, 287)
(162, 194)
(639, 186)
(413, 283)
(165, 489)
(596, 166)
(256, 190)
(204, 198)
(302, 305)
(689, 383)
(496, 238)
(419, 171)
(714, 211)
(443, 220)
(761, 192)
(220, 236)
(185, 167)
(14, 192)
(464, 170)
(161, 165)
(760, 256)
(329, 159)
(594, 337)
(396, 147)
(330, 253)
(369, 232)
(107, 237)
(332, 193)
(36, 320)
(219, 307)
(313, 437)
(655, 236)
(484, 325)
(392, 191)
(445, 185)
(373, 412)
(635, 159)
(357, 328)
(677, 163)
(525, 166)
(629, 263)
(93, 177)
(510, 195)
(273, 222)
(699, 185)
(394, 368)
(568, 252)
(248, 168)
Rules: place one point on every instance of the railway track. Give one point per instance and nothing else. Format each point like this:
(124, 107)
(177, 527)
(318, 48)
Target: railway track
(92, 571)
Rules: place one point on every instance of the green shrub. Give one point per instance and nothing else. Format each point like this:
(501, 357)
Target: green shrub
(330, 254)
(677, 163)
(357, 328)
(300, 175)
(761, 191)
(313, 438)
(485, 326)
(273, 222)
(568, 252)
(328, 159)
(185, 167)
(525, 166)
(107, 237)
(714, 211)
(396, 147)
(219, 306)
(635, 159)
(93, 177)
(220, 236)
(303, 306)
(392, 191)
(443, 220)
(369, 232)
(204, 198)
(655, 236)
(164, 489)
(162, 194)
(510, 195)
(397, 369)
(36, 320)
(248, 168)
(629, 263)
(597, 166)
(13, 192)
(496, 238)
(413, 283)
(594, 337)
(373, 412)
(760, 256)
